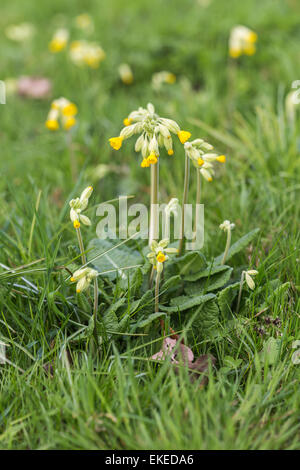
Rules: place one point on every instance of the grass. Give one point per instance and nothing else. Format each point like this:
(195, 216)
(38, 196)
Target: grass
(121, 400)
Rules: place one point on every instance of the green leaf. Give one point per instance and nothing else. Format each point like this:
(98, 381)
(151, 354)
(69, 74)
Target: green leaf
(171, 282)
(110, 257)
(150, 319)
(207, 319)
(209, 284)
(238, 246)
(208, 272)
(185, 302)
(271, 350)
(226, 297)
(190, 263)
(136, 282)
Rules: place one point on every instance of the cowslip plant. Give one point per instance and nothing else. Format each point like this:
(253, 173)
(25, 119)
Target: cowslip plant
(155, 133)
(85, 53)
(246, 276)
(157, 257)
(64, 111)
(227, 227)
(78, 205)
(242, 41)
(83, 278)
(199, 153)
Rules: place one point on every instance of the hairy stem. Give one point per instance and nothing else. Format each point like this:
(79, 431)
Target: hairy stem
(95, 311)
(157, 280)
(184, 201)
(240, 292)
(153, 200)
(198, 200)
(81, 247)
(227, 245)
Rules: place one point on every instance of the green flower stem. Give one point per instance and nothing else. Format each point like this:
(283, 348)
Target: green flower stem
(185, 196)
(228, 241)
(198, 199)
(95, 311)
(81, 247)
(157, 280)
(153, 200)
(240, 292)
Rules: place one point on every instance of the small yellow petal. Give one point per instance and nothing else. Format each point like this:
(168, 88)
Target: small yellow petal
(52, 124)
(200, 161)
(184, 136)
(170, 152)
(72, 279)
(161, 257)
(116, 142)
(76, 224)
(152, 159)
(127, 121)
(70, 110)
(70, 122)
(221, 158)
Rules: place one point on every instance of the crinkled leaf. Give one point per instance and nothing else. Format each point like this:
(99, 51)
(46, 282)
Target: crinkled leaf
(215, 282)
(207, 272)
(226, 297)
(114, 260)
(185, 302)
(150, 319)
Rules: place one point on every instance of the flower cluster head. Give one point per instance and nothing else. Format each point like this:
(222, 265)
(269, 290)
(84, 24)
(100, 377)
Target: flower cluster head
(64, 110)
(226, 225)
(59, 40)
(83, 277)
(159, 78)
(126, 74)
(155, 133)
(159, 253)
(84, 22)
(249, 280)
(200, 153)
(242, 41)
(78, 205)
(86, 53)
(20, 32)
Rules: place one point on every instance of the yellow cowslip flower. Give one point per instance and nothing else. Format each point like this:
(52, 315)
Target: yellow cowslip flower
(78, 205)
(83, 277)
(145, 163)
(84, 22)
(202, 158)
(242, 41)
(63, 110)
(184, 136)
(86, 53)
(154, 132)
(116, 142)
(59, 40)
(159, 78)
(159, 252)
(152, 159)
(126, 74)
(127, 121)
(161, 257)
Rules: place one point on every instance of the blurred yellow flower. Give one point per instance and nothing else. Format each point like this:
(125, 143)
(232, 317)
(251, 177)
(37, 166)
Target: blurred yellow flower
(159, 78)
(59, 40)
(86, 53)
(64, 110)
(84, 22)
(126, 74)
(20, 32)
(242, 41)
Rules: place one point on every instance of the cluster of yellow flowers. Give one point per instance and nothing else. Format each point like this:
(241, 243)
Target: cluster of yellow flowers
(199, 152)
(155, 133)
(81, 52)
(242, 41)
(64, 110)
(86, 53)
